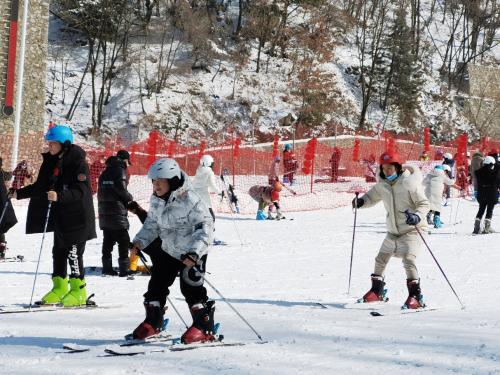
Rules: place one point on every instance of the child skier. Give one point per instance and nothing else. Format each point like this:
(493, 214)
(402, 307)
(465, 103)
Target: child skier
(267, 196)
(274, 171)
(434, 186)
(180, 224)
(63, 179)
(290, 164)
(404, 199)
(488, 184)
(204, 182)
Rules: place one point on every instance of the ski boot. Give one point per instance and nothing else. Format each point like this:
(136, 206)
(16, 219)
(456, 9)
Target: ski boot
(261, 215)
(279, 215)
(429, 218)
(415, 299)
(269, 216)
(107, 267)
(123, 267)
(3, 250)
(59, 289)
(202, 329)
(153, 323)
(487, 227)
(437, 222)
(477, 226)
(77, 295)
(377, 291)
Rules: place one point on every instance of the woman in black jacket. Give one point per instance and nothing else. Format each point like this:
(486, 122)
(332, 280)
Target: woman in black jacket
(113, 198)
(487, 193)
(63, 182)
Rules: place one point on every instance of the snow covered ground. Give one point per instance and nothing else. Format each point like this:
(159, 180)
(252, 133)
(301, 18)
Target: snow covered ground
(274, 277)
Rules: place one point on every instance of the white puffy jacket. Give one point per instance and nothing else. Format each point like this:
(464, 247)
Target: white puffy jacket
(434, 184)
(183, 223)
(204, 183)
(406, 192)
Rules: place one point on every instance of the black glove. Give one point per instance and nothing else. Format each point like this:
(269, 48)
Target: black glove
(193, 257)
(361, 202)
(411, 218)
(133, 206)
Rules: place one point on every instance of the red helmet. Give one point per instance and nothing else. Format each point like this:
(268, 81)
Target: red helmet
(388, 158)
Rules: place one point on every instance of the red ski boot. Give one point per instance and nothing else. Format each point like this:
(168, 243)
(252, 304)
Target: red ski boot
(415, 299)
(377, 291)
(153, 322)
(203, 323)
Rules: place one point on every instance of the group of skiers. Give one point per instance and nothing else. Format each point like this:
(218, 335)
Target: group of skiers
(178, 229)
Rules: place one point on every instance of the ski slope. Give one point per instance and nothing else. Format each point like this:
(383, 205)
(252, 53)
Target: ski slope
(274, 273)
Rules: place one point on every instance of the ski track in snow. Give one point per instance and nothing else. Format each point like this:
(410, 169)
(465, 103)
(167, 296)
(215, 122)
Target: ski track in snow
(274, 280)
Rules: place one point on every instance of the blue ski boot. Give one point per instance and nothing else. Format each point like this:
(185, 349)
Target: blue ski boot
(437, 222)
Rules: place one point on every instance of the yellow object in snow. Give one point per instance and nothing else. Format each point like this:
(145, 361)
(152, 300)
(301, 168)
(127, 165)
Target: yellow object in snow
(134, 259)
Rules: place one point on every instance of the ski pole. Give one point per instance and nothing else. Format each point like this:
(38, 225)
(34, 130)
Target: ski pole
(353, 236)
(230, 305)
(40, 253)
(4, 210)
(143, 260)
(432, 254)
(456, 212)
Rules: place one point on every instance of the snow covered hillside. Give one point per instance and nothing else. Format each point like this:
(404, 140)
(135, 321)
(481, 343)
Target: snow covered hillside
(275, 276)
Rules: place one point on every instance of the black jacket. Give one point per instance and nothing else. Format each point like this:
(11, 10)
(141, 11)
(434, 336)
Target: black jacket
(112, 195)
(9, 218)
(72, 217)
(488, 183)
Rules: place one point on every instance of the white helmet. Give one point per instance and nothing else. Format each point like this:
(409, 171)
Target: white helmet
(206, 161)
(164, 168)
(448, 156)
(446, 167)
(489, 160)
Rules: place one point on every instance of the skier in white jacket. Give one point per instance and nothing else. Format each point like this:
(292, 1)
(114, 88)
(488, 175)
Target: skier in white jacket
(204, 182)
(401, 191)
(180, 226)
(434, 184)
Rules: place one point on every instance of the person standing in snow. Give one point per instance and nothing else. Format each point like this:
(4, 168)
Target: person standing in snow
(63, 179)
(401, 191)
(181, 221)
(113, 198)
(434, 184)
(290, 164)
(488, 184)
(204, 182)
(448, 160)
(274, 171)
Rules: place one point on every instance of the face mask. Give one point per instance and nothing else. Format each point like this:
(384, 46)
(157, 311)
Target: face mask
(392, 177)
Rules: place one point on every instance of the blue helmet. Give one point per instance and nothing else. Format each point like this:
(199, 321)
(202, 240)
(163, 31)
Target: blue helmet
(59, 133)
(288, 147)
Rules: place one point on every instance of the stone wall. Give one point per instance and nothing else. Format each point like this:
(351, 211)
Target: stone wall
(33, 106)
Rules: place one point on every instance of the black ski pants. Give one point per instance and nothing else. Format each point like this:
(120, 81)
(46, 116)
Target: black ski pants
(488, 207)
(119, 236)
(73, 255)
(165, 269)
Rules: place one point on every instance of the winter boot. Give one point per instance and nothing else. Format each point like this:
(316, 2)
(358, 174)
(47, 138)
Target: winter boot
(123, 267)
(3, 250)
(415, 299)
(203, 323)
(429, 218)
(153, 322)
(487, 227)
(107, 267)
(437, 222)
(59, 289)
(261, 215)
(377, 291)
(77, 295)
(477, 226)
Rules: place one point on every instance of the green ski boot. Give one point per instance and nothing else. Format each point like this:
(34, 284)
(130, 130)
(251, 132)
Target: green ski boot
(77, 295)
(59, 290)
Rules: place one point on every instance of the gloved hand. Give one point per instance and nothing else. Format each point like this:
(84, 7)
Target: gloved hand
(12, 193)
(361, 202)
(411, 218)
(132, 206)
